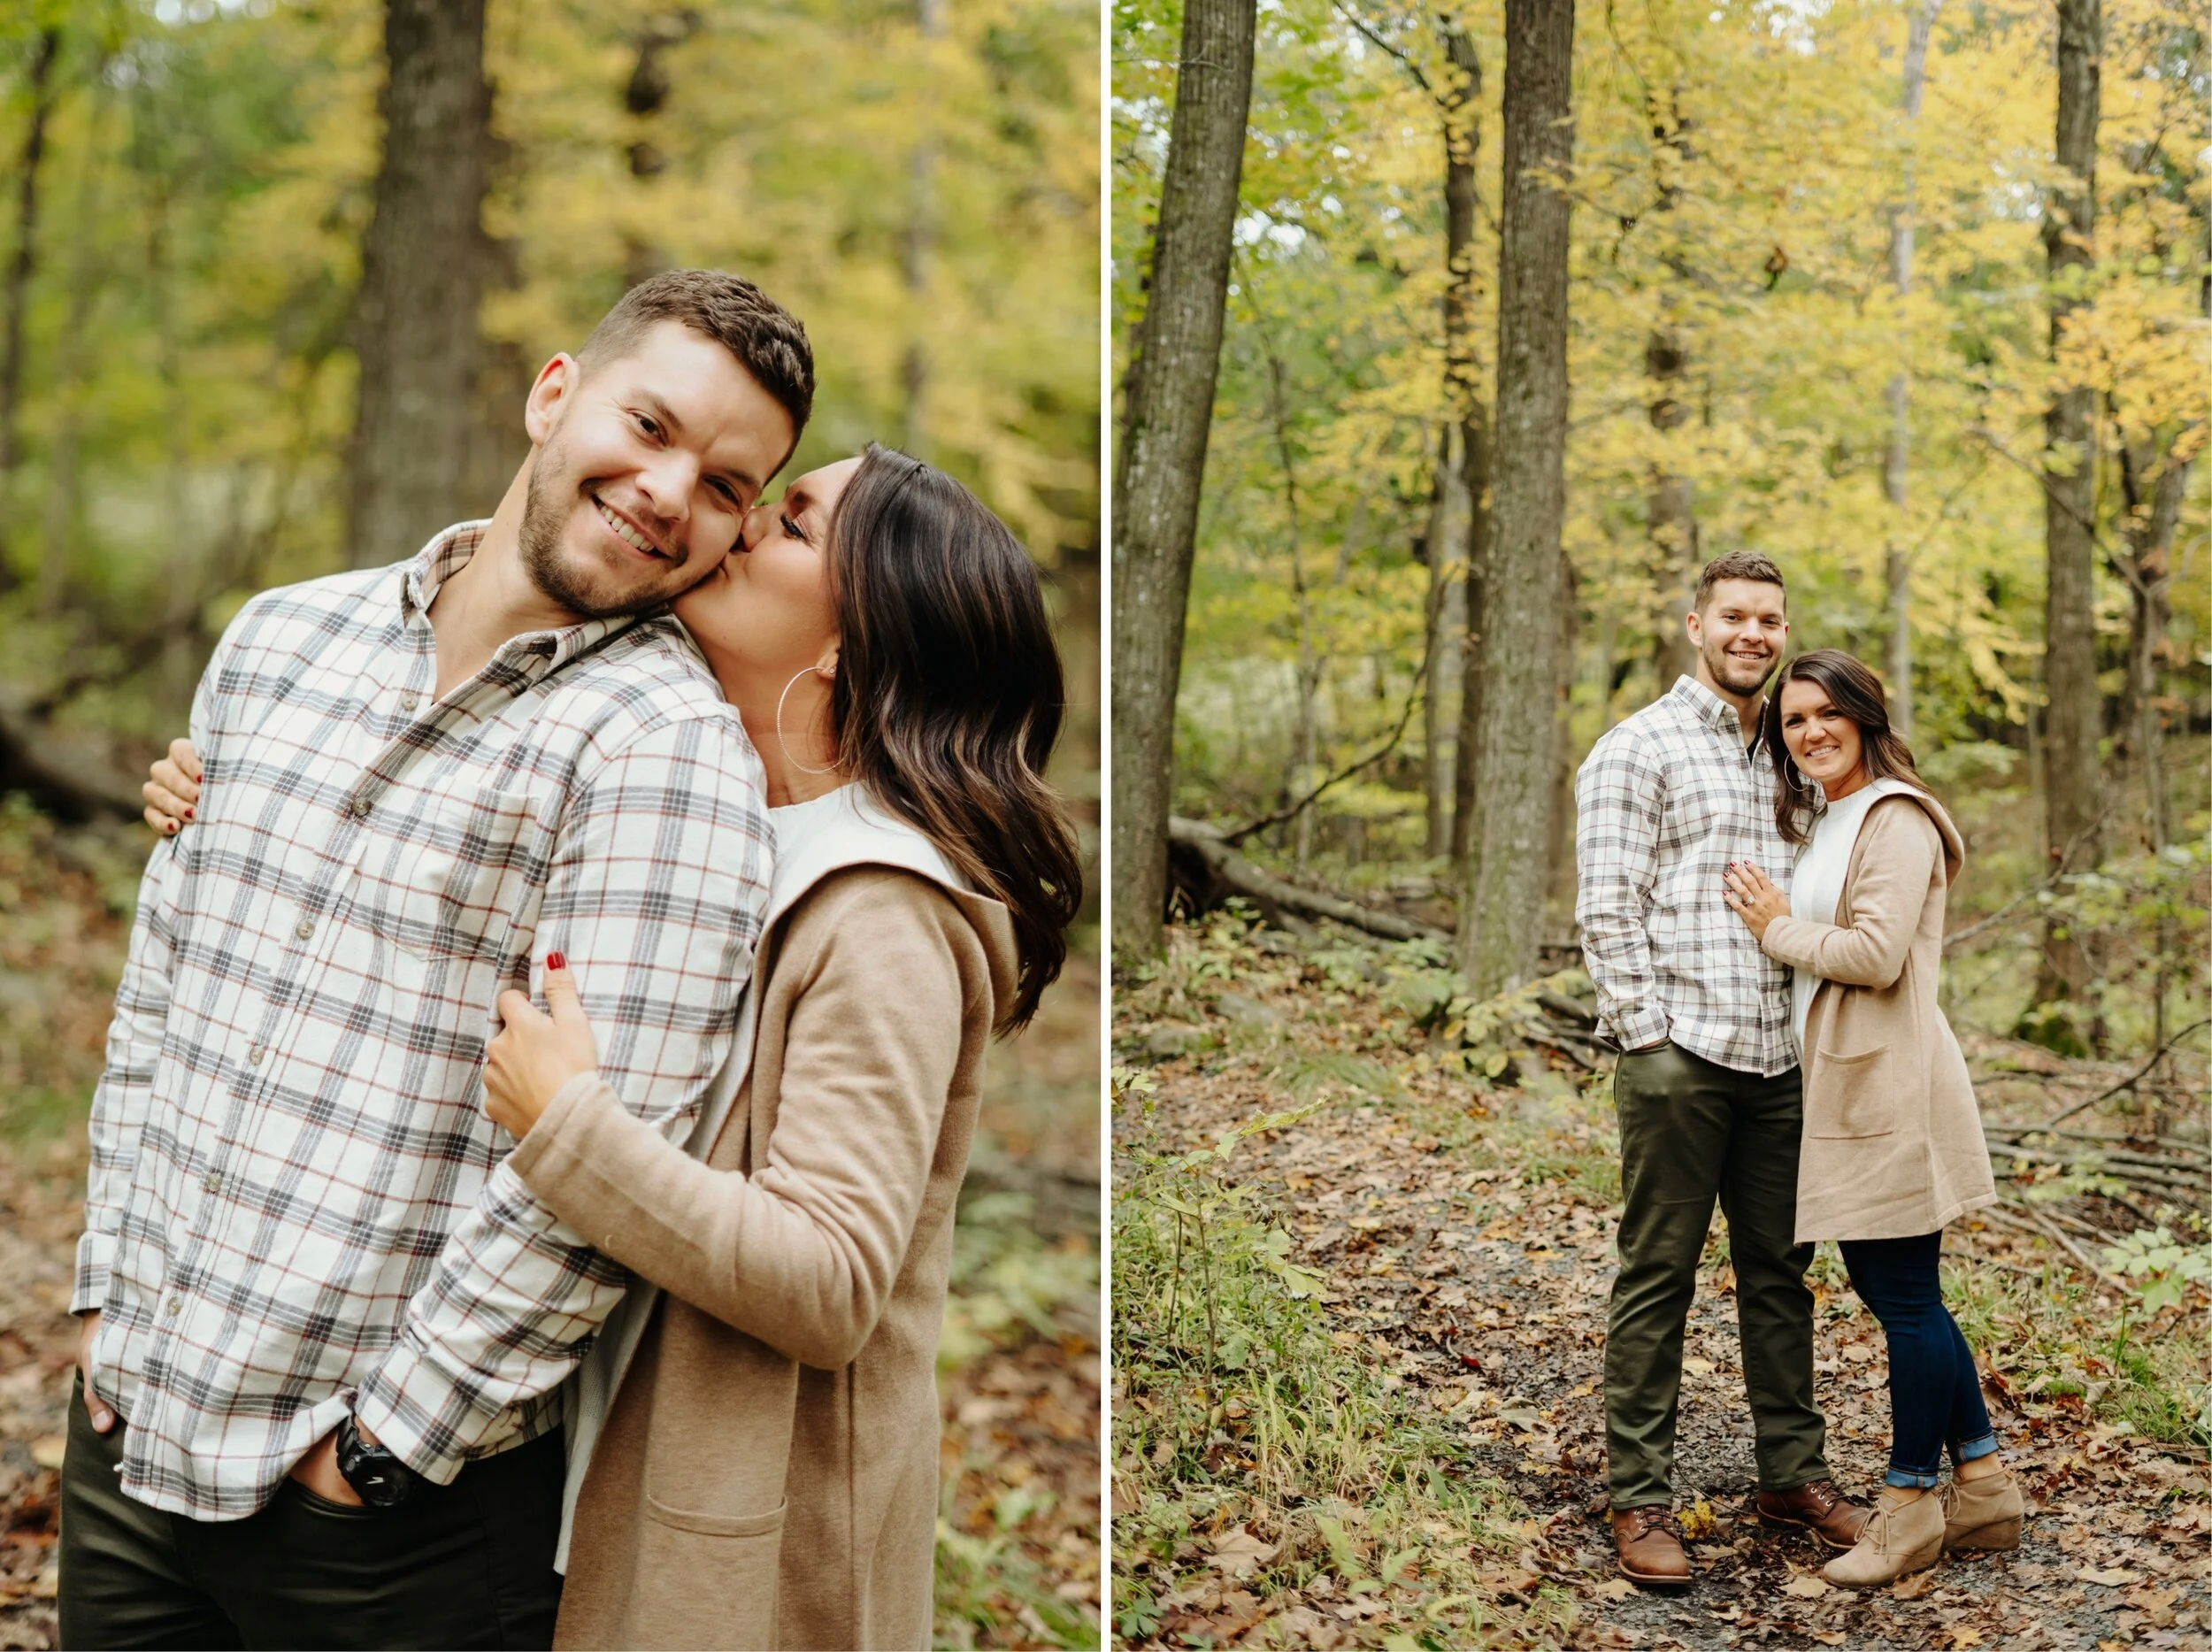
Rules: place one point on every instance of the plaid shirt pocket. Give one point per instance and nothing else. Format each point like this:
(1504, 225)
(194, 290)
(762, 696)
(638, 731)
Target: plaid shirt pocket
(446, 881)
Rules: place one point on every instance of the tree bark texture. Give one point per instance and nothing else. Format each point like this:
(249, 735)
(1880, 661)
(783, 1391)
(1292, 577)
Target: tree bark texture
(1460, 100)
(1168, 406)
(1671, 515)
(1475, 465)
(2150, 533)
(44, 50)
(1897, 462)
(1446, 549)
(2072, 794)
(422, 277)
(1501, 912)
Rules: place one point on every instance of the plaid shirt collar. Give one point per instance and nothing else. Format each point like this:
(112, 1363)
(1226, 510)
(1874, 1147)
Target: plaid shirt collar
(1709, 708)
(423, 575)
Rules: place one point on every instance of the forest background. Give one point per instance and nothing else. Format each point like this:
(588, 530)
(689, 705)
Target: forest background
(1811, 312)
(274, 279)
(1911, 296)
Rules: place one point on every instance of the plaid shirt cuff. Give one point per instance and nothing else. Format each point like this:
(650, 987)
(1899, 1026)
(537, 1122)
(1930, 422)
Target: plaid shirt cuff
(1640, 1027)
(400, 1404)
(94, 1251)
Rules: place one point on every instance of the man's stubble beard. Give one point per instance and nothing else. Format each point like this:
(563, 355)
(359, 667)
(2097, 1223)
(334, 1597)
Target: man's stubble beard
(1718, 662)
(540, 543)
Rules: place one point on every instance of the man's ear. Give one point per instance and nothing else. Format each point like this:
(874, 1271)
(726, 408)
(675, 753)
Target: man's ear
(1696, 628)
(555, 383)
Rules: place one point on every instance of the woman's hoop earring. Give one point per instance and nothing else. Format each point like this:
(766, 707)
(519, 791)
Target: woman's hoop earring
(785, 744)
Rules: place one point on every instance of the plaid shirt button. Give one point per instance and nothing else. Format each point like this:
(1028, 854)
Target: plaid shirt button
(306, 931)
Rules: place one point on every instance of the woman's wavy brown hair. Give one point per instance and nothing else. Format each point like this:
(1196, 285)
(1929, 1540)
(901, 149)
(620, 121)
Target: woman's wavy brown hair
(1855, 691)
(947, 695)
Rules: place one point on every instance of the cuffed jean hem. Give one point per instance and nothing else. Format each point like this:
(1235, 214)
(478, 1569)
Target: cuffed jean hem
(1961, 1451)
(1981, 1448)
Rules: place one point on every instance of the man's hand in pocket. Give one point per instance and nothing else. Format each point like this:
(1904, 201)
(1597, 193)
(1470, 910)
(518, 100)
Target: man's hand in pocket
(89, 1327)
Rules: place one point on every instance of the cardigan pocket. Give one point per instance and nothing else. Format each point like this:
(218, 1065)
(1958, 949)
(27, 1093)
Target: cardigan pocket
(1864, 1099)
(717, 1524)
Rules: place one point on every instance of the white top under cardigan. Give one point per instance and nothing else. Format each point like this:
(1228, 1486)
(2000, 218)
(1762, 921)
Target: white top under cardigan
(1816, 884)
(843, 828)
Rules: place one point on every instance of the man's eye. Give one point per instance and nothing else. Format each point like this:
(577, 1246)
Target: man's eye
(647, 423)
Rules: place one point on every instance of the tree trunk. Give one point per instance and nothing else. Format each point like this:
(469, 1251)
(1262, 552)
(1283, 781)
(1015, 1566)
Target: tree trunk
(1897, 556)
(2071, 791)
(1671, 514)
(1167, 409)
(59, 556)
(921, 240)
(1475, 459)
(1446, 550)
(1502, 914)
(1460, 101)
(422, 276)
(43, 52)
(2150, 533)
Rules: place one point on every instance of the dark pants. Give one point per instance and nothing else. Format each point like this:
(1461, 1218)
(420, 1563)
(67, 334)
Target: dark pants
(1692, 1131)
(1935, 1393)
(469, 1565)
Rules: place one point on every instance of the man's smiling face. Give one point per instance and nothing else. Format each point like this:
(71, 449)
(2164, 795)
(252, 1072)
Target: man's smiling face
(645, 465)
(1738, 633)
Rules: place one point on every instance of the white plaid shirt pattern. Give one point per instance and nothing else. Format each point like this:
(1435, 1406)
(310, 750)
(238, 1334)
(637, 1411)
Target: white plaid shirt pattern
(296, 1202)
(1665, 801)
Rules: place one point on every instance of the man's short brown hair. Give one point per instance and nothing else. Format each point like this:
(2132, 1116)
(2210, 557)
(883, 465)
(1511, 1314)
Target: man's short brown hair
(769, 342)
(1737, 565)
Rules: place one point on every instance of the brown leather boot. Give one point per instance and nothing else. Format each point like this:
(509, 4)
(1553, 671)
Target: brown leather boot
(1649, 1544)
(1819, 1508)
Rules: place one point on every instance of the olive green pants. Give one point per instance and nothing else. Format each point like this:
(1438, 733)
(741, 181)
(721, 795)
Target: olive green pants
(1691, 1132)
(469, 1565)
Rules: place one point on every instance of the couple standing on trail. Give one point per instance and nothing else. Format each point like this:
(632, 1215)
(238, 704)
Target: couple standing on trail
(1762, 896)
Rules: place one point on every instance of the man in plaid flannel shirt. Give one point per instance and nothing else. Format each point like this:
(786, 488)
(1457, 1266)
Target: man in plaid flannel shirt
(324, 1325)
(1707, 1087)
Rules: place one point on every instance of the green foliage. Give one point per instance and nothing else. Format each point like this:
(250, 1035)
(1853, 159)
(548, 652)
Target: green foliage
(1737, 171)
(929, 205)
(1239, 1399)
(2159, 1268)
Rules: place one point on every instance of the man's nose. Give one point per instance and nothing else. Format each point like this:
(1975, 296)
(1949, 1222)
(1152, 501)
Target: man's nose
(667, 486)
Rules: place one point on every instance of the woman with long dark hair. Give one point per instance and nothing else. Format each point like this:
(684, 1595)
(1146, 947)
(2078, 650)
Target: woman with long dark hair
(754, 1438)
(1893, 1146)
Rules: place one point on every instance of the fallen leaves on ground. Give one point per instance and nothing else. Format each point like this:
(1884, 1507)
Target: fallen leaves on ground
(1461, 1237)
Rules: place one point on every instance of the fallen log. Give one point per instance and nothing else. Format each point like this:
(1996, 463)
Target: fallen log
(2178, 1178)
(64, 778)
(1241, 874)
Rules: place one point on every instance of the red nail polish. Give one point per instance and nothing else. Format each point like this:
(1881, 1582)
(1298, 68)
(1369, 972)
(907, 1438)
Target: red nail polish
(188, 814)
(554, 961)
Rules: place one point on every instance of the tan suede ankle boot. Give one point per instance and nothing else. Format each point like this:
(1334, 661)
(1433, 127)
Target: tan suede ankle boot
(1904, 1533)
(1983, 1512)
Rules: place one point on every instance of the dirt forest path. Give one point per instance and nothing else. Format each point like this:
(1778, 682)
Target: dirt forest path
(1464, 1246)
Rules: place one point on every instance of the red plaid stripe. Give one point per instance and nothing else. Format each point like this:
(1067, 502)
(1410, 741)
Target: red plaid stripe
(295, 1196)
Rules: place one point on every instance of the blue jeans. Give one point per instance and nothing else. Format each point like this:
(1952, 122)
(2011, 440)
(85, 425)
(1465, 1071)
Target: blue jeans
(1935, 1393)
